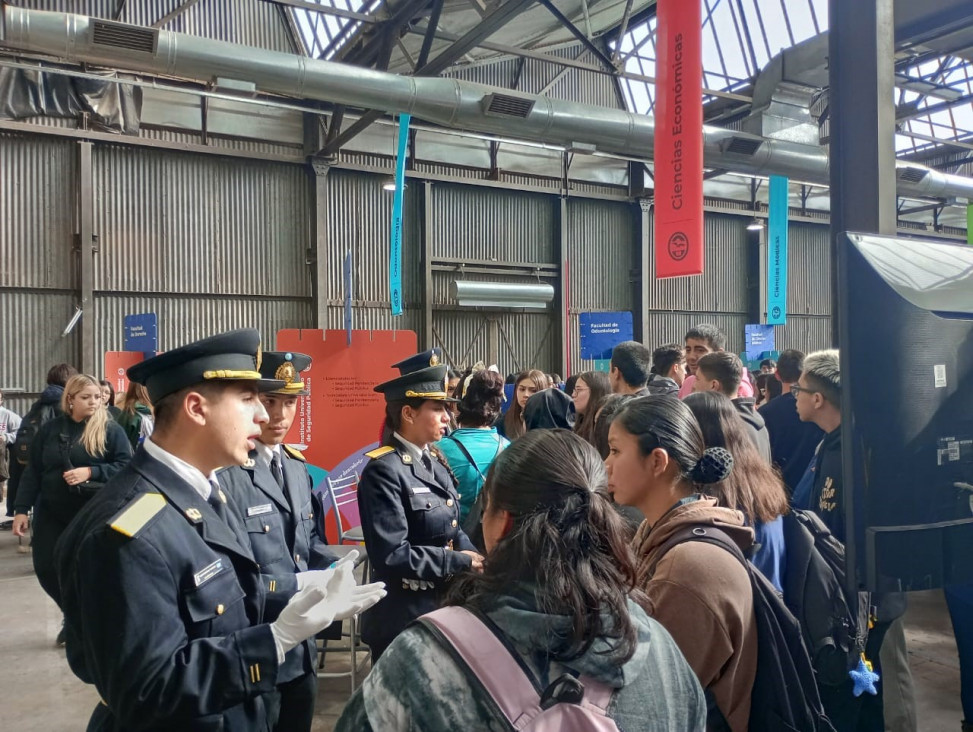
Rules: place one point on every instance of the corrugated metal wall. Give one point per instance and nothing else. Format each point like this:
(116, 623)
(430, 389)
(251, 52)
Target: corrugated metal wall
(718, 296)
(602, 254)
(808, 289)
(360, 220)
(37, 261)
(491, 225)
(207, 243)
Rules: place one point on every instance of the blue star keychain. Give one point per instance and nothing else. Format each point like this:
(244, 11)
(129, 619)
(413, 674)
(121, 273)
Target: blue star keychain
(864, 678)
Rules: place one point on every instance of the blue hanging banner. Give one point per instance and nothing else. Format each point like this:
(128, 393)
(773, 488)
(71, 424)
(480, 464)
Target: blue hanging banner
(777, 252)
(395, 256)
(347, 273)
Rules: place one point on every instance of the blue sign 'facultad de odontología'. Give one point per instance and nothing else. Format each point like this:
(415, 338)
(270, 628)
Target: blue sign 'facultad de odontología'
(601, 332)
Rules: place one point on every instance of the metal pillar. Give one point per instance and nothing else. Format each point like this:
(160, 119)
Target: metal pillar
(863, 197)
(427, 233)
(86, 253)
(862, 114)
(645, 256)
(493, 340)
(564, 290)
(320, 223)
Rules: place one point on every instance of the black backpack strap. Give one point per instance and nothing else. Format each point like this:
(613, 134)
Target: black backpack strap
(699, 532)
(466, 454)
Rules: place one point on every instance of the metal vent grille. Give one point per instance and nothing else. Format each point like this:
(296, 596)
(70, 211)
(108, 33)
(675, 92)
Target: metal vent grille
(911, 175)
(503, 105)
(742, 146)
(118, 35)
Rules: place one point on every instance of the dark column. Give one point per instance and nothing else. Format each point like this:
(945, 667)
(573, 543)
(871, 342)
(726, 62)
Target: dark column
(862, 119)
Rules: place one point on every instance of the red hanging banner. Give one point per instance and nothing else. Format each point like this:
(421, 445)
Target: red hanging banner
(679, 245)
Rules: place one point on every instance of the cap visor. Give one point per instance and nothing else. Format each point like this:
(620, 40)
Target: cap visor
(264, 385)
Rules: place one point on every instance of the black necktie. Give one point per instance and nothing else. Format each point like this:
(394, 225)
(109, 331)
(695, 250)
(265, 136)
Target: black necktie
(217, 503)
(276, 471)
(427, 460)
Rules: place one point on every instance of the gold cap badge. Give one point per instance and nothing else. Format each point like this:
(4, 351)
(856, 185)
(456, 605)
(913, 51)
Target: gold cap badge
(286, 372)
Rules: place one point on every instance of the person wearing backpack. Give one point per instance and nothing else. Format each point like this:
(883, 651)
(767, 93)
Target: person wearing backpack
(567, 646)
(71, 458)
(46, 408)
(135, 414)
(700, 593)
(472, 448)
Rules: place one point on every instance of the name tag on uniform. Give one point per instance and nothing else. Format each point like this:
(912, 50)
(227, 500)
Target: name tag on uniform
(208, 573)
(420, 489)
(259, 510)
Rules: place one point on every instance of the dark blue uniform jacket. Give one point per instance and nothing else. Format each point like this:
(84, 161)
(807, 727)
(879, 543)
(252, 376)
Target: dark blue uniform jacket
(163, 607)
(410, 519)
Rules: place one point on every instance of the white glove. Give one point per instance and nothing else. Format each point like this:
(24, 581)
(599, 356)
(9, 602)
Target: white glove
(314, 608)
(320, 577)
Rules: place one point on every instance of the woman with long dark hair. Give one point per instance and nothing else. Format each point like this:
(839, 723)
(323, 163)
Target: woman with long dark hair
(526, 385)
(410, 508)
(556, 586)
(753, 486)
(471, 449)
(700, 592)
(108, 398)
(590, 391)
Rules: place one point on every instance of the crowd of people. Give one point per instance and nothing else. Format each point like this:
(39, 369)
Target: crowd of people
(555, 523)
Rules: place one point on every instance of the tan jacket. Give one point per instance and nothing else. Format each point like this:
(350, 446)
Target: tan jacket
(702, 595)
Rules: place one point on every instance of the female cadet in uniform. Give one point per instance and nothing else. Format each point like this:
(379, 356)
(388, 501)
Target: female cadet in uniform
(410, 509)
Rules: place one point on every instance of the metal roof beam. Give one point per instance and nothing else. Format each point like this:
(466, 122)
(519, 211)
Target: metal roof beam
(576, 32)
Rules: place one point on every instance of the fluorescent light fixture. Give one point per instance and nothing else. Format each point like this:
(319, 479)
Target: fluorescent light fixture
(502, 294)
(73, 322)
(389, 185)
(755, 225)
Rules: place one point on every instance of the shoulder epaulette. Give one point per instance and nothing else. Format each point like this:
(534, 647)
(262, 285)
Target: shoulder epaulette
(133, 518)
(294, 453)
(379, 451)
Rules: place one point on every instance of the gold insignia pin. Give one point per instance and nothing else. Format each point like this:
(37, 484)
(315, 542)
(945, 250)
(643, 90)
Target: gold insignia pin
(260, 355)
(286, 372)
(249, 463)
(434, 361)
(222, 496)
(194, 514)
(407, 458)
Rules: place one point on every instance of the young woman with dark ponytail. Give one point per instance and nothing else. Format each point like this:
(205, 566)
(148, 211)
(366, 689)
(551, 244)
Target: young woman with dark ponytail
(700, 592)
(558, 583)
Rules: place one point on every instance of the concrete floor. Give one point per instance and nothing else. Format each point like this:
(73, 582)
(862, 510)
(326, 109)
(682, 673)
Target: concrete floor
(38, 693)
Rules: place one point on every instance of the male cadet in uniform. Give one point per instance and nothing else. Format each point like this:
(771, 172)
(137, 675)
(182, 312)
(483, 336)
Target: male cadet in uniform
(163, 603)
(272, 494)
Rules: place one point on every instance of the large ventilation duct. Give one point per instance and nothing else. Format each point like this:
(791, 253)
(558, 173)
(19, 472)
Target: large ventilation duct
(447, 102)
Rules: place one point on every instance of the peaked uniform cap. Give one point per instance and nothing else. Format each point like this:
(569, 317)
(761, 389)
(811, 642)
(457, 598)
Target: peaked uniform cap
(432, 357)
(286, 366)
(428, 383)
(232, 356)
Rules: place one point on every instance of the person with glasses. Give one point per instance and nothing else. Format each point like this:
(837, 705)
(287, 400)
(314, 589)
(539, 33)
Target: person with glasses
(590, 390)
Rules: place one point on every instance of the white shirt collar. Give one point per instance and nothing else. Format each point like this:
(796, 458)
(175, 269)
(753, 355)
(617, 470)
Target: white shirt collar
(412, 448)
(202, 484)
(267, 452)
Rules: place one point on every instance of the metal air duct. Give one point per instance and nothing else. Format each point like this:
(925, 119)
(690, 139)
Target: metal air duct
(447, 102)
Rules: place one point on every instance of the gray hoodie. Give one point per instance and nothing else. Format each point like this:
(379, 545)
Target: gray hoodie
(416, 685)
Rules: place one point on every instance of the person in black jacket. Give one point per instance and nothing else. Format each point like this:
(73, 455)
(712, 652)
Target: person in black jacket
(46, 408)
(410, 509)
(70, 459)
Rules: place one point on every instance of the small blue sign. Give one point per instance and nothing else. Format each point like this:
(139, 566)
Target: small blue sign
(758, 339)
(601, 332)
(141, 333)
